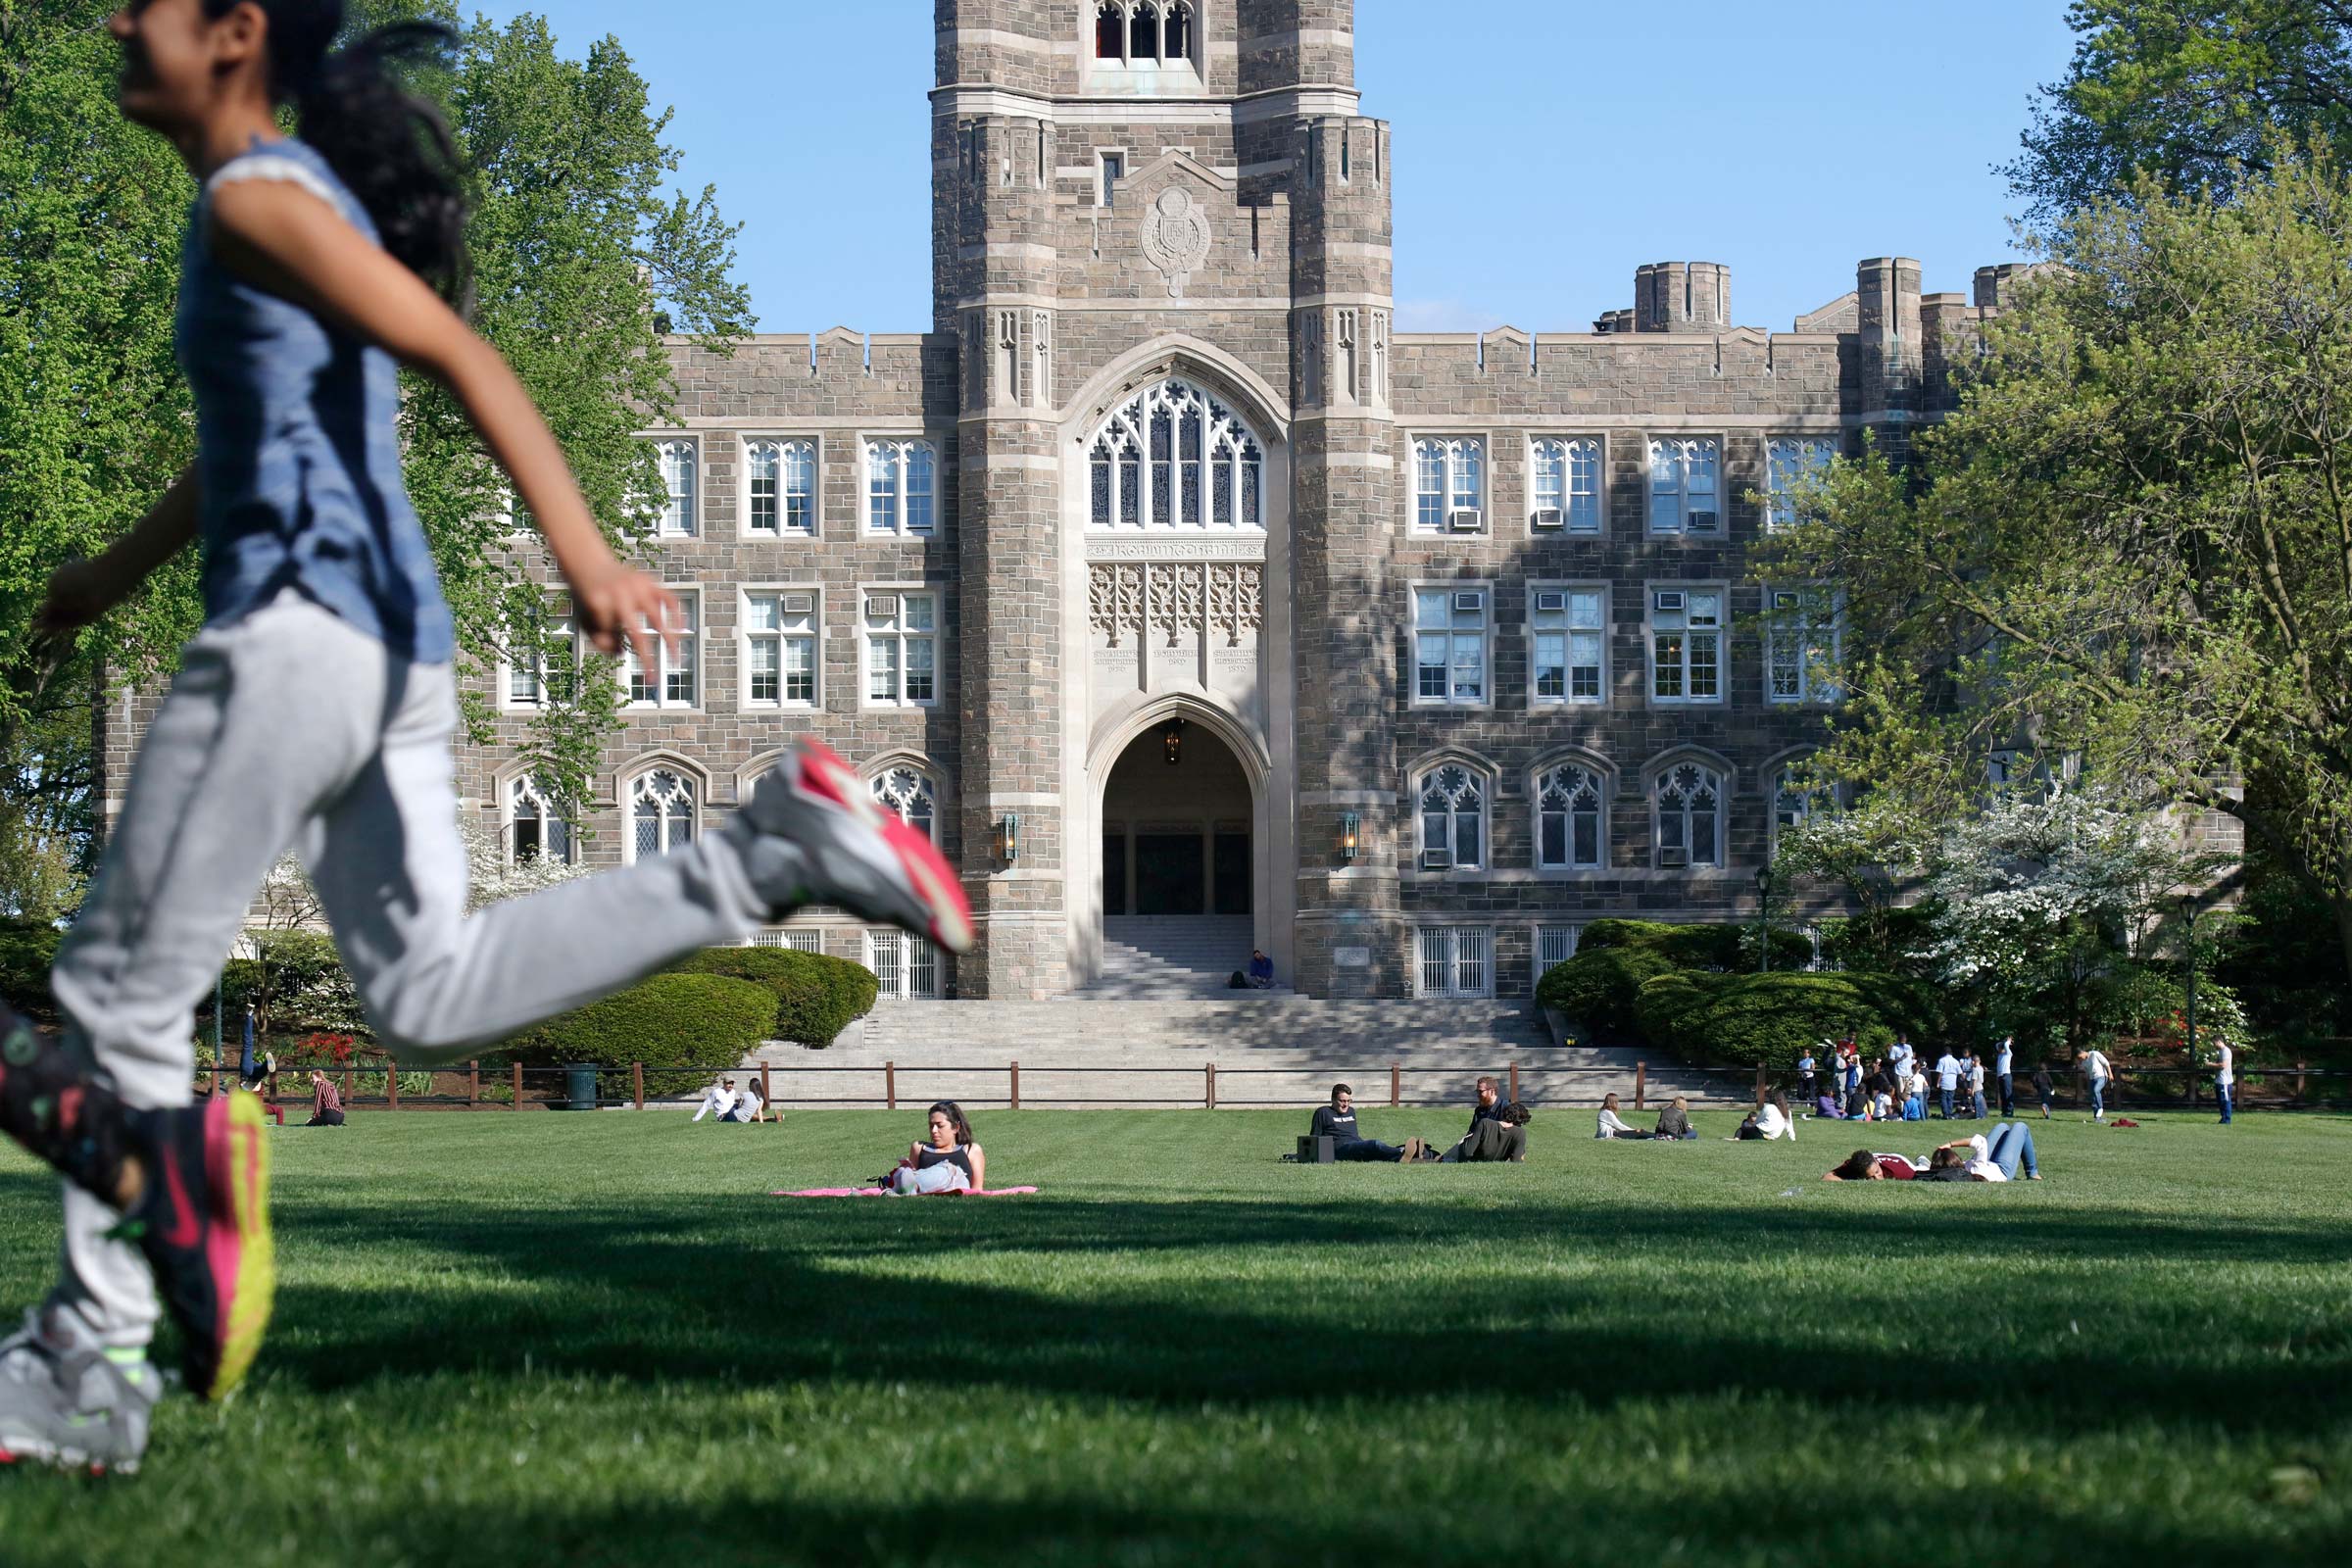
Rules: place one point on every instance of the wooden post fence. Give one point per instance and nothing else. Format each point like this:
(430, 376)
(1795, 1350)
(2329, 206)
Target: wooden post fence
(637, 1082)
(391, 1084)
(518, 1086)
(2299, 1070)
(890, 1084)
(1212, 1086)
(767, 1090)
(1016, 1086)
(1396, 1084)
(473, 1085)
(347, 1086)
(1514, 1081)
(1640, 1082)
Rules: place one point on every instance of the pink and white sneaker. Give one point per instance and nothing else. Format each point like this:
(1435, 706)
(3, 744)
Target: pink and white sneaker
(813, 833)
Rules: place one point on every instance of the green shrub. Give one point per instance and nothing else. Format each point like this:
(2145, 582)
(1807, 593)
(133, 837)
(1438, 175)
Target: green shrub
(816, 996)
(28, 950)
(1595, 990)
(669, 1023)
(1747, 1019)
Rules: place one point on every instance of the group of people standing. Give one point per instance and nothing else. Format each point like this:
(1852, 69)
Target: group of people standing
(1837, 1085)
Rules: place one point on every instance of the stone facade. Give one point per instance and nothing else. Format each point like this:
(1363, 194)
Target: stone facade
(1206, 207)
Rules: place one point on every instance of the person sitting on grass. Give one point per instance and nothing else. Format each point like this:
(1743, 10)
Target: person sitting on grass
(952, 1162)
(719, 1101)
(751, 1104)
(1674, 1122)
(1493, 1138)
(1828, 1108)
(1997, 1157)
(1612, 1125)
(1337, 1122)
(1769, 1119)
(326, 1102)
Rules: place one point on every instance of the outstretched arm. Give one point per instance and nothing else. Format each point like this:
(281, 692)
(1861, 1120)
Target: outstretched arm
(81, 591)
(282, 238)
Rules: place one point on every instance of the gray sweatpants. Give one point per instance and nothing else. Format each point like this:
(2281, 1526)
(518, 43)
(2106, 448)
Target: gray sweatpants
(290, 729)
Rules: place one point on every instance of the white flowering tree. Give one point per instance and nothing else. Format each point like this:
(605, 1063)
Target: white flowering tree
(493, 875)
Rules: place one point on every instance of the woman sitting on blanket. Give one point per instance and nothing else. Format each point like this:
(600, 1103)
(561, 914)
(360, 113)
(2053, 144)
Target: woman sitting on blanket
(949, 1162)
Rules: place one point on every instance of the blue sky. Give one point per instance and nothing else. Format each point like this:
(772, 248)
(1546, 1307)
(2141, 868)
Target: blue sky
(1544, 148)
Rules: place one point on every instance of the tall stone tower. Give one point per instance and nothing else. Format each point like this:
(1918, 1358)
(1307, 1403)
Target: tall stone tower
(1175, 194)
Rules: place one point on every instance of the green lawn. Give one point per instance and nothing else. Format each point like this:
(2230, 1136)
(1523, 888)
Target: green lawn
(595, 1339)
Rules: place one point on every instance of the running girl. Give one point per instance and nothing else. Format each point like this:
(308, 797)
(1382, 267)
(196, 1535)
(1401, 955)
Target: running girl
(316, 708)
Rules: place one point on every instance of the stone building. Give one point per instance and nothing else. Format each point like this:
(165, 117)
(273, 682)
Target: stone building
(1168, 584)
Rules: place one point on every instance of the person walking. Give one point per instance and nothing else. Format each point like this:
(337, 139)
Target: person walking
(2005, 1063)
(1947, 1079)
(1976, 1087)
(2225, 1079)
(2044, 1088)
(2097, 1070)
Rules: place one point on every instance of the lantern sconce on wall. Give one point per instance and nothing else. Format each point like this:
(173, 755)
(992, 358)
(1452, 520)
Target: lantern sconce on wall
(1008, 838)
(1171, 739)
(1352, 828)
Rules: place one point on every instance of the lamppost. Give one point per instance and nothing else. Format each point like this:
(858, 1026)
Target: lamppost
(1764, 915)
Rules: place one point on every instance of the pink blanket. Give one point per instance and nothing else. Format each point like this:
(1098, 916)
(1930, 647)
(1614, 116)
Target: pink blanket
(884, 1192)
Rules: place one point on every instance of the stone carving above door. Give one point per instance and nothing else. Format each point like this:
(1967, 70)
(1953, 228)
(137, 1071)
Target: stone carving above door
(1206, 599)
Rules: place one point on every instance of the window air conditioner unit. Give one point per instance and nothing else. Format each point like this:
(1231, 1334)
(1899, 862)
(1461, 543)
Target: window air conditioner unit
(1463, 520)
(1784, 601)
(1674, 859)
(1436, 859)
(1469, 604)
(1548, 517)
(799, 603)
(1557, 602)
(1670, 601)
(881, 606)
(1703, 522)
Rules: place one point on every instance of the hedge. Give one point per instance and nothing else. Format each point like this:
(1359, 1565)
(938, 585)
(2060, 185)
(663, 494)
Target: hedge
(670, 1021)
(1597, 989)
(816, 996)
(28, 950)
(1768, 1019)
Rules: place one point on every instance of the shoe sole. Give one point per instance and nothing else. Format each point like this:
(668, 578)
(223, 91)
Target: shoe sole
(949, 915)
(239, 1249)
(68, 1459)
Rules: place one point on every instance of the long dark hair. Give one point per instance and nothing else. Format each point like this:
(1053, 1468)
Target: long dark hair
(955, 1118)
(391, 147)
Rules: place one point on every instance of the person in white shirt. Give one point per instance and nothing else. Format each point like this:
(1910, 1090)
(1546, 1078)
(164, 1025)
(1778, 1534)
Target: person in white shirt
(2097, 1070)
(1947, 1080)
(1902, 1056)
(1769, 1121)
(2004, 1061)
(2225, 1079)
(1915, 1092)
(720, 1102)
(1612, 1125)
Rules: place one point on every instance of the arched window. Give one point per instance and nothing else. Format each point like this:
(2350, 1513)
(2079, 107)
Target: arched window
(662, 812)
(1453, 819)
(1795, 799)
(901, 487)
(1689, 817)
(679, 470)
(1179, 33)
(1110, 31)
(1143, 32)
(908, 794)
(782, 496)
(534, 830)
(1567, 819)
(1173, 457)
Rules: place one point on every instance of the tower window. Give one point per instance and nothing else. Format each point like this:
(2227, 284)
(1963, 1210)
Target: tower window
(1143, 33)
(1179, 33)
(1114, 170)
(1110, 31)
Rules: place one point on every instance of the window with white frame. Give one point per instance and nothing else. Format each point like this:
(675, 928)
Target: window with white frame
(782, 480)
(1685, 485)
(906, 968)
(1449, 647)
(902, 648)
(1455, 960)
(1570, 654)
(1564, 485)
(534, 829)
(680, 467)
(1801, 644)
(528, 680)
(1556, 945)
(1686, 645)
(781, 636)
(1173, 457)
(1796, 798)
(661, 813)
(1788, 462)
(1453, 819)
(799, 939)
(1568, 824)
(1449, 484)
(902, 487)
(907, 795)
(677, 680)
(1689, 809)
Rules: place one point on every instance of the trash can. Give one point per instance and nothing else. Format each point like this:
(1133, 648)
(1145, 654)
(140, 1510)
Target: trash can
(581, 1081)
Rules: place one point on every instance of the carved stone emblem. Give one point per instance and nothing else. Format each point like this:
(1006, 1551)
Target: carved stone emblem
(1175, 237)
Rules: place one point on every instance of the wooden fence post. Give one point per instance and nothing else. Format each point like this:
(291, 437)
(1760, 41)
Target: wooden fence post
(1396, 1084)
(391, 1084)
(1016, 1086)
(1514, 1080)
(473, 1085)
(518, 1086)
(890, 1085)
(1212, 1086)
(1640, 1082)
(2299, 1070)
(637, 1082)
(768, 1088)
(1763, 1085)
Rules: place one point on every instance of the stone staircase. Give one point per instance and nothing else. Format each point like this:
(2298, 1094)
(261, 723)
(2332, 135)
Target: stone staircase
(1163, 957)
(1266, 1050)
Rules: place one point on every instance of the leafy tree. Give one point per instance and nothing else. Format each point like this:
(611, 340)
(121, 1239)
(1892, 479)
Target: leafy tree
(2191, 92)
(2129, 553)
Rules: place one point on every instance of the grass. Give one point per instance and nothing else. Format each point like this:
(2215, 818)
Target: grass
(595, 1340)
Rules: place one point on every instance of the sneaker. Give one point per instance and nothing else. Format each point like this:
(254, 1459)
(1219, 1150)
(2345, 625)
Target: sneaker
(65, 1401)
(202, 1226)
(813, 833)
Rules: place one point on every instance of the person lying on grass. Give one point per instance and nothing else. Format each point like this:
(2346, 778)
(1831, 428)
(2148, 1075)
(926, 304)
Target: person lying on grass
(1997, 1158)
(1612, 1125)
(950, 1161)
